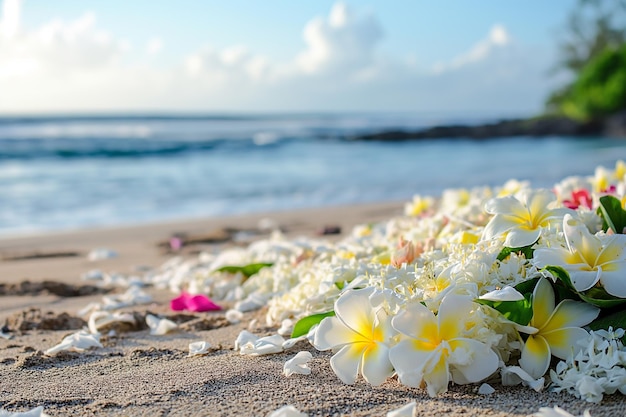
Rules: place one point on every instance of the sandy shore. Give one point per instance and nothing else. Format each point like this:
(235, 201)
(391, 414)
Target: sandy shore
(136, 373)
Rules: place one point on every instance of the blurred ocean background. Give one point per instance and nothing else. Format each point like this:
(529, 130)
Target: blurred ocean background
(60, 173)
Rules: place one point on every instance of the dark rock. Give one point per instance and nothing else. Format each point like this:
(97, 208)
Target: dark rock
(536, 127)
(615, 125)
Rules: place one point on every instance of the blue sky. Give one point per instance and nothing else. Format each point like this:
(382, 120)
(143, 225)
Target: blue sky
(306, 55)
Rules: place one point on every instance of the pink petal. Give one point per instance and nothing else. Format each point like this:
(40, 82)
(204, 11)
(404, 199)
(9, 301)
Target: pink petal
(179, 303)
(201, 303)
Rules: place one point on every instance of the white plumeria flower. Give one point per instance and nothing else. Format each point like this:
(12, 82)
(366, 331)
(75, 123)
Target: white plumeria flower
(77, 342)
(522, 218)
(299, 364)
(160, 326)
(361, 332)
(435, 344)
(589, 259)
(553, 330)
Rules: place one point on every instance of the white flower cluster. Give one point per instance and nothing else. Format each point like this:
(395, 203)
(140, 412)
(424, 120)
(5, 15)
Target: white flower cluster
(406, 293)
(599, 367)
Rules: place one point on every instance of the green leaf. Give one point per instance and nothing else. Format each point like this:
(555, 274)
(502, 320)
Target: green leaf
(595, 296)
(303, 325)
(247, 270)
(616, 320)
(613, 215)
(527, 287)
(527, 251)
(519, 312)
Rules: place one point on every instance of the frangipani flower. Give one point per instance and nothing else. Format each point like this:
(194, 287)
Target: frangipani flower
(553, 330)
(589, 259)
(361, 332)
(521, 218)
(435, 344)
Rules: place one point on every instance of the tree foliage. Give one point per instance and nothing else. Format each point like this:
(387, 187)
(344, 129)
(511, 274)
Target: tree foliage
(593, 28)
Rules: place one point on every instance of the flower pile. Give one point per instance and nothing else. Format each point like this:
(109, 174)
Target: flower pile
(479, 285)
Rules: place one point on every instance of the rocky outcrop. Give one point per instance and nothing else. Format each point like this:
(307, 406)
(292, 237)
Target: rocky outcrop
(536, 127)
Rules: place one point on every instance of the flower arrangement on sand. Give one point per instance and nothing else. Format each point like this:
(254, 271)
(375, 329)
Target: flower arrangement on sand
(510, 284)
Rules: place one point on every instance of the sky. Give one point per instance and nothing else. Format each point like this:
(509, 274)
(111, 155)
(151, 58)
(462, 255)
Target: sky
(452, 56)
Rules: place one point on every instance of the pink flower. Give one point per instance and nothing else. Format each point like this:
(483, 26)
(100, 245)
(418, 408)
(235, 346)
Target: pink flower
(197, 303)
(579, 198)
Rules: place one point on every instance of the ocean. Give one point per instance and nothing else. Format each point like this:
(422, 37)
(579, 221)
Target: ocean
(61, 173)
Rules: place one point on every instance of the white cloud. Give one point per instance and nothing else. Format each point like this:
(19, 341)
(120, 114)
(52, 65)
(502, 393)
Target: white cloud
(497, 38)
(345, 41)
(10, 22)
(75, 65)
(154, 46)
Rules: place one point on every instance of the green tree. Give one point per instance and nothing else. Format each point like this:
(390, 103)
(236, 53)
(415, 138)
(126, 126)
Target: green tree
(600, 88)
(592, 27)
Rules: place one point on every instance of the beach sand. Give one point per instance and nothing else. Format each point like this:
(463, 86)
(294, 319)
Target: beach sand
(138, 374)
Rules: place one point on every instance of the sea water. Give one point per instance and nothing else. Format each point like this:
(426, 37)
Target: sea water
(71, 172)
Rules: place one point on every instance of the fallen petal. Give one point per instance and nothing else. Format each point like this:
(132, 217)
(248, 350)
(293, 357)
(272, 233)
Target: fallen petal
(159, 326)
(486, 389)
(77, 342)
(199, 348)
(298, 364)
(404, 411)
(35, 412)
(287, 411)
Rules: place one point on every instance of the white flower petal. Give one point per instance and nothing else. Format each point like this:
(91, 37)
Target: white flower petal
(100, 319)
(158, 326)
(375, 365)
(614, 282)
(552, 412)
(78, 342)
(507, 293)
(518, 238)
(483, 361)
(514, 375)
(243, 338)
(331, 333)
(298, 364)
(415, 320)
(35, 412)
(234, 316)
(199, 348)
(407, 410)
(263, 346)
(486, 389)
(287, 411)
(347, 362)
(354, 309)
(536, 356)
(452, 311)
(583, 280)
